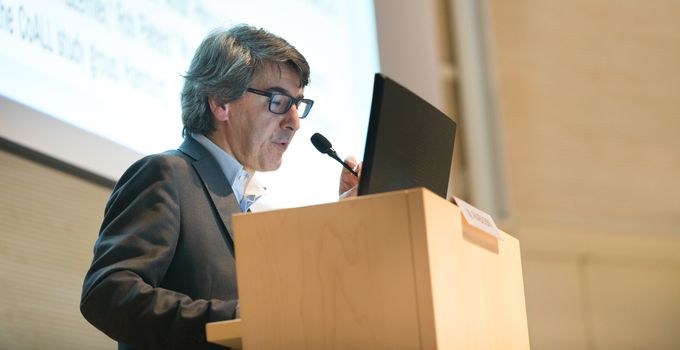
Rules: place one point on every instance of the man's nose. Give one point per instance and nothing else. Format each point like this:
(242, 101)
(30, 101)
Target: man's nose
(292, 119)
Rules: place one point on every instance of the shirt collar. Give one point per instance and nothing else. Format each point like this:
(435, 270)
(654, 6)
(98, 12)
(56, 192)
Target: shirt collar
(236, 174)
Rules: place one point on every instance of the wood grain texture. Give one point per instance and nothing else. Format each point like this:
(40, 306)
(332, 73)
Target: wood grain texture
(226, 333)
(390, 271)
(323, 277)
(476, 287)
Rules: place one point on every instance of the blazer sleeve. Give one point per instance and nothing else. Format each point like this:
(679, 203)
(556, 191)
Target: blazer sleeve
(121, 294)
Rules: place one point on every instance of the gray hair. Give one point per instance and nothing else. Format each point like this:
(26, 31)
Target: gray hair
(225, 64)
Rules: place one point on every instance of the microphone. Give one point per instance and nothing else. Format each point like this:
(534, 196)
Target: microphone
(324, 146)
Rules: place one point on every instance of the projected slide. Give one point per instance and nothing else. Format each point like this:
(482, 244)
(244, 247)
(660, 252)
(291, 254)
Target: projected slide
(113, 68)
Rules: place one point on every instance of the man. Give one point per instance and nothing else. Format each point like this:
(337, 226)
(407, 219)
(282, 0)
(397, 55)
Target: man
(164, 263)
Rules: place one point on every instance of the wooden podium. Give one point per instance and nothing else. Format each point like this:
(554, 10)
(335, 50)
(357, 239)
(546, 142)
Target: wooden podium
(400, 270)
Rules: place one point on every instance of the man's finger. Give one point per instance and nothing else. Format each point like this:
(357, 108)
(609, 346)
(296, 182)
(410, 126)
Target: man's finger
(351, 162)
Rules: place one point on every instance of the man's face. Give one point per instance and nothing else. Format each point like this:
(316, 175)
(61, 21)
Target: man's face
(256, 136)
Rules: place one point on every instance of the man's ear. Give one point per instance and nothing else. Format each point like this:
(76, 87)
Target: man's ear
(220, 111)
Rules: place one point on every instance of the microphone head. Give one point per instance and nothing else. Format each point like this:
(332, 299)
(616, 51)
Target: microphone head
(321, 143)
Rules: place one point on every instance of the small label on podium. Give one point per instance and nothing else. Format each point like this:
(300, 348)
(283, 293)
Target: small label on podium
(477, 218)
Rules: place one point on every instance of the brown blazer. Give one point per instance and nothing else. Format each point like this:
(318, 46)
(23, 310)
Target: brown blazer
(164, 263)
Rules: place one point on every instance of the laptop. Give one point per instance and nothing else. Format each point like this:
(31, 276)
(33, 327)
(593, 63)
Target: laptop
(409, 142)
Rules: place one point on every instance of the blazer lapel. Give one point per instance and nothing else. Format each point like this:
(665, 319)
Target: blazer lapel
(214, 181)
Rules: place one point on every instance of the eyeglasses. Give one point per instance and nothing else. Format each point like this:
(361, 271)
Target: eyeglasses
(280, 103)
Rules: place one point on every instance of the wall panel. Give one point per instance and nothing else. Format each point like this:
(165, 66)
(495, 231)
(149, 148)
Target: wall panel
(50, 221)
(589, 107)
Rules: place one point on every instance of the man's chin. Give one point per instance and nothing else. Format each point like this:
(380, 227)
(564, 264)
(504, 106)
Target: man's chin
(272, 166)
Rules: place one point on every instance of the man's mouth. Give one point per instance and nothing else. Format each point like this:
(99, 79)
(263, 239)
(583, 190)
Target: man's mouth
(283, 141)
(282, 145)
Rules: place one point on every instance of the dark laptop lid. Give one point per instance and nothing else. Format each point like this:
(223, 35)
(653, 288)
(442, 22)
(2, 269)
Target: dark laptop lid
(409, 142)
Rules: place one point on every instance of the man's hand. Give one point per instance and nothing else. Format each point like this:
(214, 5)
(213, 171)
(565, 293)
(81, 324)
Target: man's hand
(348, 182)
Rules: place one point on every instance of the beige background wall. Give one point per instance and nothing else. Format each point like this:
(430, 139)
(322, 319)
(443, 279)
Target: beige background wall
(589, 109)
(50, 221)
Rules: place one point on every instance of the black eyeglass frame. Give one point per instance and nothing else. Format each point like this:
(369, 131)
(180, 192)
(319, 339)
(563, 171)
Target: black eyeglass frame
(292, 100)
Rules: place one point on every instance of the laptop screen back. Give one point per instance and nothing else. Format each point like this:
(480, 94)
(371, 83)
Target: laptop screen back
(409, 142)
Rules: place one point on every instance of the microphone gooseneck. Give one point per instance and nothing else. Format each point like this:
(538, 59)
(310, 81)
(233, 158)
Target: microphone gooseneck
(324, 146)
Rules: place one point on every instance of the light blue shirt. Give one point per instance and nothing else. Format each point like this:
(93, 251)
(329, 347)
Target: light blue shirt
(235, 173)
